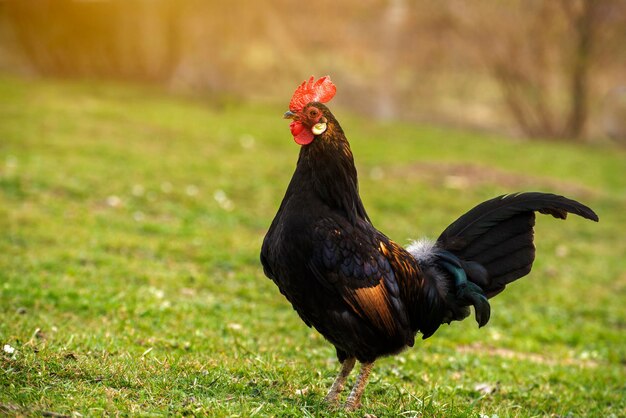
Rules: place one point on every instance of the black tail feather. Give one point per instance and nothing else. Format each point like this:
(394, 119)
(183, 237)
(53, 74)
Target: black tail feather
(498, 235)
(466, 292)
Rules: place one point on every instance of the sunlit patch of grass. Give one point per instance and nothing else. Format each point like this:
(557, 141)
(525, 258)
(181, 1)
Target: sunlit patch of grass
(130, 226)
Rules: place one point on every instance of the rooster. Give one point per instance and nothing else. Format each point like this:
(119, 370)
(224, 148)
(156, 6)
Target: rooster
(363, 292)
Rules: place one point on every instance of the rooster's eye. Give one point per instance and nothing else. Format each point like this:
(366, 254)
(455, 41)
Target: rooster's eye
(313, 113)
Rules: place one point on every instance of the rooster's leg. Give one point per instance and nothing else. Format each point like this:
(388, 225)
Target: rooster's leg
(354, 399)
(338, 384)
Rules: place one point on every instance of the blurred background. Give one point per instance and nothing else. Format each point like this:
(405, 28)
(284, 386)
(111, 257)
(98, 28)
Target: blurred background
(535, 68)
(143, 156)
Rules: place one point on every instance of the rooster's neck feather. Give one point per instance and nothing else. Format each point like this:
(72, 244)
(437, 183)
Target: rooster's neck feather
(327, 165)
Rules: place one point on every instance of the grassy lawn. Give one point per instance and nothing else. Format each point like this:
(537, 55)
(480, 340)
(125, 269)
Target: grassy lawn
(130, 227)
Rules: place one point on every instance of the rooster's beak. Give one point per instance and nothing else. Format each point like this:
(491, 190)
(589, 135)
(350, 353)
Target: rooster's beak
(289, 115)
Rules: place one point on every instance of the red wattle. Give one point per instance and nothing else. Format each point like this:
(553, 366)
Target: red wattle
(296, 127)
(301, 134)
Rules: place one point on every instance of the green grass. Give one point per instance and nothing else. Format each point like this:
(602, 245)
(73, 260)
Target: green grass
(130, 227)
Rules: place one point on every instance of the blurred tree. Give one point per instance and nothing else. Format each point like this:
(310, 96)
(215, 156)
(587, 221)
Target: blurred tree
(539, 65)
(614, 114)
(98, 38)
(543, 55)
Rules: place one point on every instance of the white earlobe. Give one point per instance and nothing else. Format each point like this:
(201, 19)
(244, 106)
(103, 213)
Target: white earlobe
(319, 128)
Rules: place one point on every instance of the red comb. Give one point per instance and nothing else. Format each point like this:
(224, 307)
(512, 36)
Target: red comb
(321, 91)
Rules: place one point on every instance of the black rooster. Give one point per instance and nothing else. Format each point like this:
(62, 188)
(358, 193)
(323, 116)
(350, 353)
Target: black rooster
(363, 292)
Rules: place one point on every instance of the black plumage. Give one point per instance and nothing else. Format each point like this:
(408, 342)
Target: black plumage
(498, 234)
(363, 292)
